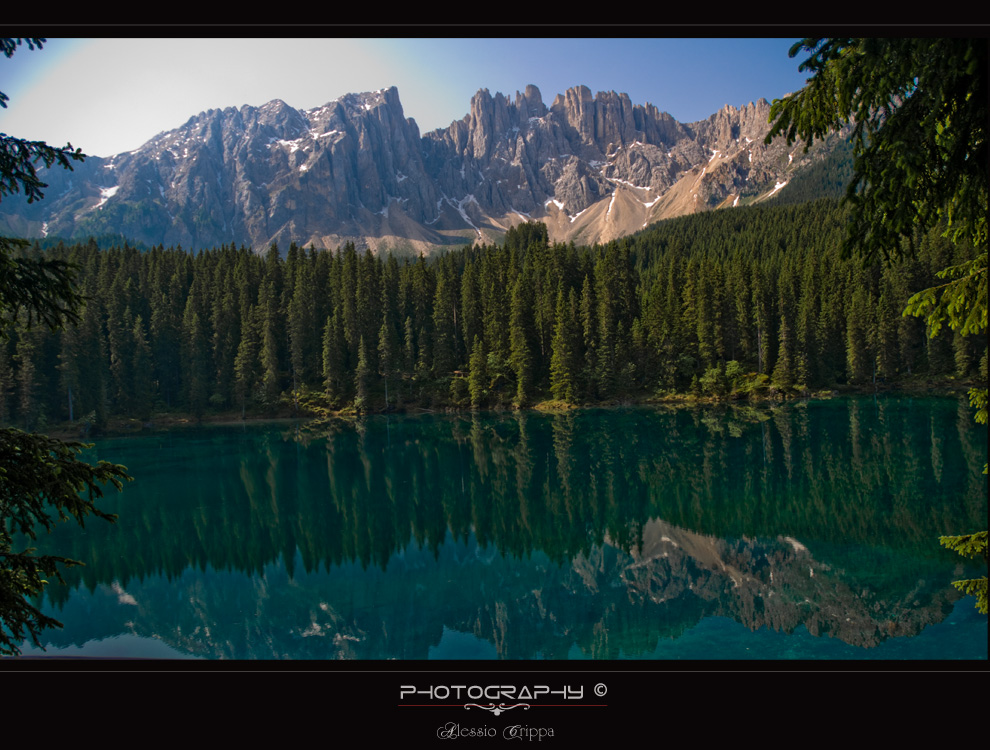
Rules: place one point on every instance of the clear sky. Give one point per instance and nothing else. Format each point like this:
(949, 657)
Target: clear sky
(112, 95)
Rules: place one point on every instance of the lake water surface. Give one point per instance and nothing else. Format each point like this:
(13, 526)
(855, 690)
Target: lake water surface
(805, 531)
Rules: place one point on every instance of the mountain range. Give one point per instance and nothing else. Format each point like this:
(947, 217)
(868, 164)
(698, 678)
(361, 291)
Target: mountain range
(593, 168)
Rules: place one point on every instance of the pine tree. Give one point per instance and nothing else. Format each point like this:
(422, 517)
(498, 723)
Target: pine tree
(408, 347)
(422, 292)
(785, 369)
(808, 349)
(471, 321)
(520, 334)
(362, 378)
(589, 331)
(247, 370)
(477, 374)
(444, 321)
(195, 360)
(69, 370)
(303, 327)
(25, 356)
(271, 335)
(166, 335)
(887, 315)
(389, 347)
(707, 311)
(120, 346)
(495, 308)
(563, 363)
(142, 393)
(388, 354)
(335, 359)
(763, 318)
(368, 297)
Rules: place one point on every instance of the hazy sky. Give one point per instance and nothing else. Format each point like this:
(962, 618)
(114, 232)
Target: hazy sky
(112, 95)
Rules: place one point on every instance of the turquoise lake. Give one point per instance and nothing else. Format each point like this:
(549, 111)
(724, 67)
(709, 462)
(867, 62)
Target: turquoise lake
(807, 530)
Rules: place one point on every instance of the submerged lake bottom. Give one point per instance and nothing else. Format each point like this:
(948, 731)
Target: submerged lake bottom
(805, 531)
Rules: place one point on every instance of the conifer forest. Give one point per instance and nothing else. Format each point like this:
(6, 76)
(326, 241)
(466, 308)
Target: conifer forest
(752, 302)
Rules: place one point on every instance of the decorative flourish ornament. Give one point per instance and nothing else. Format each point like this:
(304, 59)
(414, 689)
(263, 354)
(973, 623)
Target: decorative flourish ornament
(500, 708)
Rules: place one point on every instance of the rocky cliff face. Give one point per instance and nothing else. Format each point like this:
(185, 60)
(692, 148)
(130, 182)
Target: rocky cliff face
(356, 169)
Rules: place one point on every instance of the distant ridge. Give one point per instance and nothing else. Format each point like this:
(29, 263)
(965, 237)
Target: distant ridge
(592, 168)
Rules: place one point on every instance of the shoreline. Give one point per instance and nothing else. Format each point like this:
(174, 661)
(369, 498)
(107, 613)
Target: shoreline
(166, 421)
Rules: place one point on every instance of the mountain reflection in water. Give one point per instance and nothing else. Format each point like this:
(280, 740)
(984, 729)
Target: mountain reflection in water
(610, 533)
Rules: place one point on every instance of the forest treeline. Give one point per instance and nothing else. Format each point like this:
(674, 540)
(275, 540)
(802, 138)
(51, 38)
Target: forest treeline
(752, 300)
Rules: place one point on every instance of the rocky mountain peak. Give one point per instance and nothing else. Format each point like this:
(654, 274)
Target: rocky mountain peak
(593, 167)
(530, 103)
